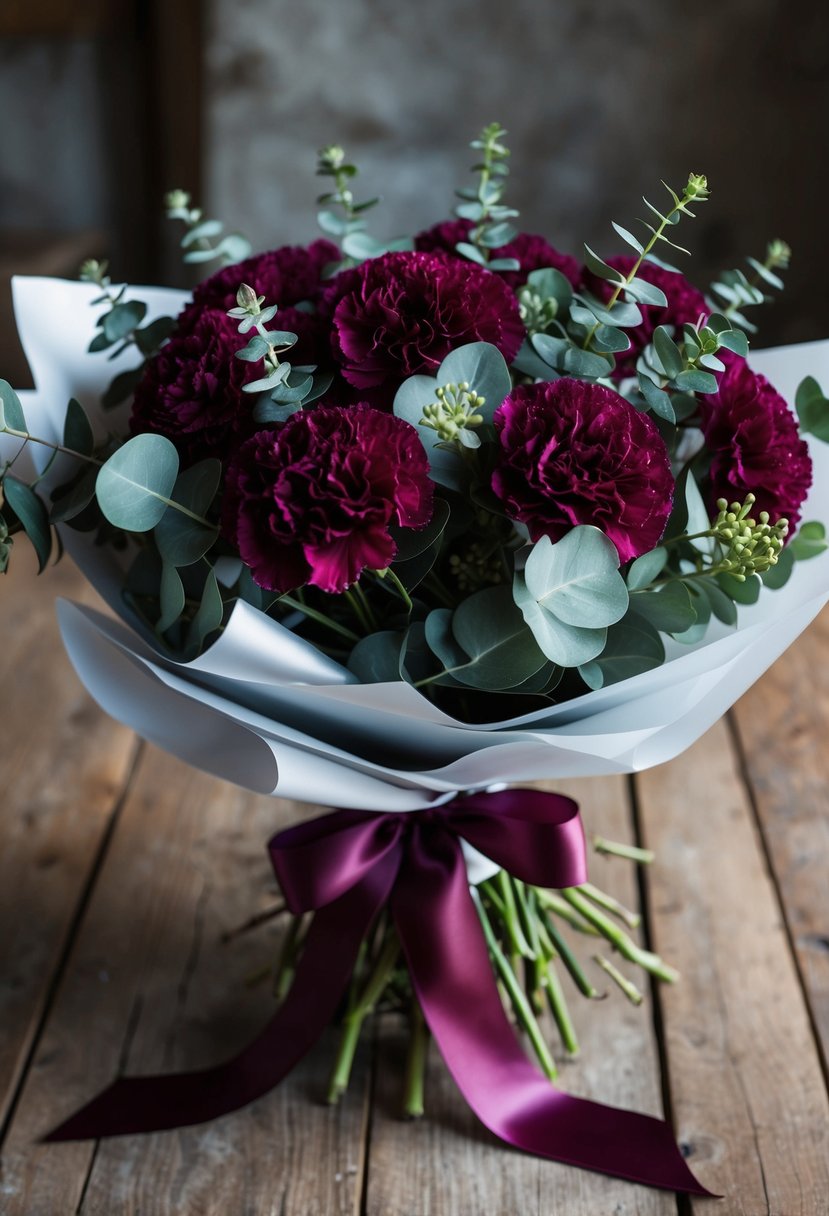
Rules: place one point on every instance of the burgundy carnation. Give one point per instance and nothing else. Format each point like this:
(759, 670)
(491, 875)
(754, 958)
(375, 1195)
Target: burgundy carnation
(685, 306)
(533, 252)
(312, 500)
(283, 276)
(578, 453)
(756, 448)
(191, 391)
(401, 314)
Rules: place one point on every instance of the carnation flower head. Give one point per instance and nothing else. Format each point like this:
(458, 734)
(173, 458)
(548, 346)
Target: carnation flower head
(312, 500)
(686, 305)
(192, 390)
(530, 251)
(573, 452)
(755, 445)
(284, 276)
(401, 314)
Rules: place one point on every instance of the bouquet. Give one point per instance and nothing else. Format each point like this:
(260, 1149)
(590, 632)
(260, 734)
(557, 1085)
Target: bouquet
(388, 526)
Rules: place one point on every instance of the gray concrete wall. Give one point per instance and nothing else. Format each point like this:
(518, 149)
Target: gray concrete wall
(602, 99)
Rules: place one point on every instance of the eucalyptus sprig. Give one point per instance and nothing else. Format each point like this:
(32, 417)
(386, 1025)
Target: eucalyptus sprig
(204, 239)
(287, 387)
(348, 227)
(120, 327)
(482, 204)
(743, 545)
(738, 290)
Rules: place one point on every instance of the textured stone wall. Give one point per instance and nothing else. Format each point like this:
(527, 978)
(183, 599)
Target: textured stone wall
(602, 98)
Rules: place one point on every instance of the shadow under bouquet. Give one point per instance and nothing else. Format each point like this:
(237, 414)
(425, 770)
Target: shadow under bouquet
(387, 527)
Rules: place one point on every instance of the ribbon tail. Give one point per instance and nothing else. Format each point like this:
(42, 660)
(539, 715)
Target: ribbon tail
(452, 976)
(156, 1103)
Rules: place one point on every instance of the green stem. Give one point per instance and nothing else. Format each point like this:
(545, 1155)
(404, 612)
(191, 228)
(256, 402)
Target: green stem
(627, 986)
(558, 1005)
(556, 945)
(404, 595)
(415, 1063)
(357, 608)
(631, 919)
(517, 996)
(519, 943)
(286, 964)
(618, 938)
(552, 902)
(355, 1017)
(615, 848)
(320, 618)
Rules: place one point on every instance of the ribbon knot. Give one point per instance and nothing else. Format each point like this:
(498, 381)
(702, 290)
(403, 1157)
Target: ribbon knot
(346, 867)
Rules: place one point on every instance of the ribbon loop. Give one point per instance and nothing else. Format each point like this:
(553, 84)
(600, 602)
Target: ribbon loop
(349, 865)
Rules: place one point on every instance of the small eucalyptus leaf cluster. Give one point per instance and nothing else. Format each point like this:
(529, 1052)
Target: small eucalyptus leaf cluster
(205, 240)
(738, 291)
(482, 204)
(349, 226)
(288, 387)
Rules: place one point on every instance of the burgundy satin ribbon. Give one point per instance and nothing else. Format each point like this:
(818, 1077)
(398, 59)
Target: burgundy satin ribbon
(346, 867)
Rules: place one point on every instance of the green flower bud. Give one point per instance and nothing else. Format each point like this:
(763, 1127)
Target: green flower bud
(697, 186)
(177, 200)
(330, 158)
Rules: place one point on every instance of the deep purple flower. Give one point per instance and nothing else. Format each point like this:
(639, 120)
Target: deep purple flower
(311, 501)
(755, 445)
(191, 391)
(401, 314)
(284, 276)
(573, 453)
(685, 306)
(533, 252)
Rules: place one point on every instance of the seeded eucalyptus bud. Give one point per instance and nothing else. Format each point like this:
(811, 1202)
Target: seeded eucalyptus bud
(330, 158)
(697, 186)
(247, 298)
(177, 200)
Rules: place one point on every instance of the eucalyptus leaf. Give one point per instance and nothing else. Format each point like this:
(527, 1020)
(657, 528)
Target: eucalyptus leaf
(135, 485)
(182, 540)
(208, 618)
(577, 580)
(70, 499)
(563, 644)
(812, 409)
(11, 411)
(667, 351)
(696, 382)
(121, 387)
(376, 659)
(489, 628)
(633, 646)
(669, 608)
(742, 593)
(122, 319)
(33, 516)
(722, 606)
(809, 542)
(441, 640)
(484, 368)
(656, 398)
(77, 429)
(779, 574)
(646, 568)
(171, 597)
(643, 292)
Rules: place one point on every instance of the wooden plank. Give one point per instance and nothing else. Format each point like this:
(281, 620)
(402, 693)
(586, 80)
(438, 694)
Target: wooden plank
(783, 726)
(150, 987)
(745, 1080)
(65, 765)
(448, 1165)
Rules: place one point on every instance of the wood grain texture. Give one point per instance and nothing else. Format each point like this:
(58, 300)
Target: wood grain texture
(783, 727)
(150, 987)
(448, 1165)
(64, 766)
(746, 1086)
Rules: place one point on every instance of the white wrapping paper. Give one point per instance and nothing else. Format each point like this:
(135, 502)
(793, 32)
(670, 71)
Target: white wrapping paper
(264, 709)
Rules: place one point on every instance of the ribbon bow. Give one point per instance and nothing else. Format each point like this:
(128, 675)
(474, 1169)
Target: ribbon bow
(346, 867)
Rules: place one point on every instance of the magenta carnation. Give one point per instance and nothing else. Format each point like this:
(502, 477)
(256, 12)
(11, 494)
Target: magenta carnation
(283, 276)
(685, 306)
(312, 500)
(753, 438)
(191, 391)
(532, 252)
(578, 453)
(401, 314)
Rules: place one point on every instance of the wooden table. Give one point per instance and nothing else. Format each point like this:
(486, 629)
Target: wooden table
(121, 870)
